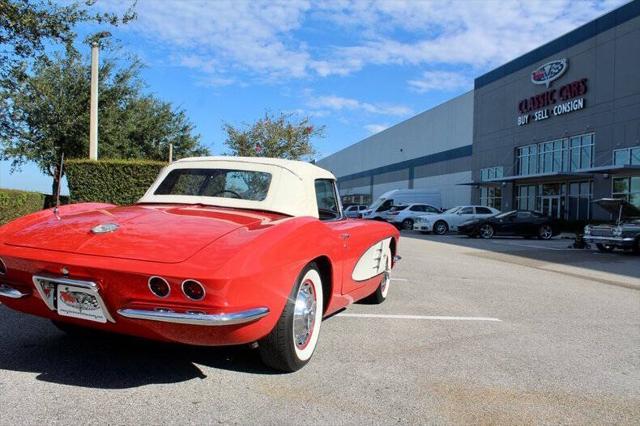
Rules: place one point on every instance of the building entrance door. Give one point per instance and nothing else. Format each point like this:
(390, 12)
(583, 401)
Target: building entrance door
(552, 206)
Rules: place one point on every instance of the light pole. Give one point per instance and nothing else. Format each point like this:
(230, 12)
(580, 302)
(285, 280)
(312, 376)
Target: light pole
(93, 109)
(93, 117)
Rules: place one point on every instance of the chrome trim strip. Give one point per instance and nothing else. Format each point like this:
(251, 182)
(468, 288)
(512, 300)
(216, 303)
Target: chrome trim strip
(613, 239)
(89, 285)
(11, 293)
(207, 320)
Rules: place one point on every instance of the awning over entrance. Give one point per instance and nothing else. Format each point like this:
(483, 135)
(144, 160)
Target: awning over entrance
(616, 170)
(543, 177)
(554, 177)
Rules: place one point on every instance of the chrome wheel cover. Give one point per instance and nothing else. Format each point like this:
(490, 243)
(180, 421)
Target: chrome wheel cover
(546, 232)
(304, 314)
(486, 231)
(441, 228)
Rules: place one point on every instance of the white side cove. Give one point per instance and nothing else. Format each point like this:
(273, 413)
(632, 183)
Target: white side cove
(372, 262)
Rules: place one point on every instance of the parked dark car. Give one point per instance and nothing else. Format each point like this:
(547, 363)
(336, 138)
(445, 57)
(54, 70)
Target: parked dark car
(523, 223)
(623, 232)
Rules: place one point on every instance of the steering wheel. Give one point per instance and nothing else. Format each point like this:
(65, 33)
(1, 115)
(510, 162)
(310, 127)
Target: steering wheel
(234, 193)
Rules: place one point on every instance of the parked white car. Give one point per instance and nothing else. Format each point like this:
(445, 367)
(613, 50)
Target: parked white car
(404, 216)
(381, 206)
(354, 210)
(449, 220)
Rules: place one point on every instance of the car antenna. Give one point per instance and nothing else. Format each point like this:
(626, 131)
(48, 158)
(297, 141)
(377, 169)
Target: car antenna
(57, 207)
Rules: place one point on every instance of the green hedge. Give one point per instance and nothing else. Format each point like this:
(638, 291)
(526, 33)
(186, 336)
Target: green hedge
(110, 181)
(14, 204)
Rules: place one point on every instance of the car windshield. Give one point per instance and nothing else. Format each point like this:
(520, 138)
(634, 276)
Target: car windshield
(221, 183)
(505, 214)
(453, 210)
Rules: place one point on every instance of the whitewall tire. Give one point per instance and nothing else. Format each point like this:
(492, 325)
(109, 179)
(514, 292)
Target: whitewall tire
(380, 295)
(293, 340)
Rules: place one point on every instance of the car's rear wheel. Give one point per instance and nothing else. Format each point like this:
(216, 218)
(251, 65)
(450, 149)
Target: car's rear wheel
(545, 232)
(407, 224)
(293, 340)
(440, 227)
(380, 295)
(604, 248)
(487, 231)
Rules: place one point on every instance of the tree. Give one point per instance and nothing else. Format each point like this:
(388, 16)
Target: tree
(273, 136)
(28, 28)
(27, 25)
(50, 116)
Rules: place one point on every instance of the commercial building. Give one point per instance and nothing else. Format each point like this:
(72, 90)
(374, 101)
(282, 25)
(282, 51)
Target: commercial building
(551, 131)
(429, 151)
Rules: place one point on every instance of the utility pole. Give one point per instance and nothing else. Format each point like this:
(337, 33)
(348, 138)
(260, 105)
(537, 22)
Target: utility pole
(93, 118)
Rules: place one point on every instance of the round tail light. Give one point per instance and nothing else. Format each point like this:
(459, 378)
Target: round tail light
(159, 286)
(193, 290)
(3, 267)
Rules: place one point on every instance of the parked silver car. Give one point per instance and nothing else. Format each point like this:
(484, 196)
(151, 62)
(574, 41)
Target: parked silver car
(404, 216)
(354, 210)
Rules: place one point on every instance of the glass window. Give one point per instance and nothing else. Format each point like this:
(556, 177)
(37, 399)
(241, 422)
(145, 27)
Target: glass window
(635, 155)
(491, 196)
(417, 208)
(466, 210)
(328, 206)
(620, 185)
(491, 173)
(483, 210)
(621, 157)
(579, 200)
(221, 183)
(627, 188)
(585, 157)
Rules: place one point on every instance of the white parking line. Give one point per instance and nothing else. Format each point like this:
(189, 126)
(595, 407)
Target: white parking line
(532, 246)
(419, 317)
(399, 279)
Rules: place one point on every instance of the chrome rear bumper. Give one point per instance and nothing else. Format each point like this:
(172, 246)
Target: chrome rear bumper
(196, 318)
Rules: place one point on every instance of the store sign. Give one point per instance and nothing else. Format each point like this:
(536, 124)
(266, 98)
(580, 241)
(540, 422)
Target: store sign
(549, 72)
(567, 98)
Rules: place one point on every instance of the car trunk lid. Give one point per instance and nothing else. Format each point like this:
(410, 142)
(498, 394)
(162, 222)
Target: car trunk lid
(166, 234)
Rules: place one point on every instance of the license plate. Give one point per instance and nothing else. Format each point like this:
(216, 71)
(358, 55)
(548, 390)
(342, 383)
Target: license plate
(78, 302)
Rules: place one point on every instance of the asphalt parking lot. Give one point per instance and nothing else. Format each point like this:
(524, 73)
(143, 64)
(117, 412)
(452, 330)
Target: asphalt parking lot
(507, 331)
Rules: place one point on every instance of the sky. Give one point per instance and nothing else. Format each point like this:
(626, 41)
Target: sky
(353, 66)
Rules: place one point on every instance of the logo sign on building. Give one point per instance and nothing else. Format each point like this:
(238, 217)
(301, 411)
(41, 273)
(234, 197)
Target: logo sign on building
(549, 72)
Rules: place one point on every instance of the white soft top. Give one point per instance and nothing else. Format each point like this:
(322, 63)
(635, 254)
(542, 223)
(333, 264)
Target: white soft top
(291, 192)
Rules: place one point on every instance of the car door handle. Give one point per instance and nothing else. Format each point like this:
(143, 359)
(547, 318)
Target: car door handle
(345, 236)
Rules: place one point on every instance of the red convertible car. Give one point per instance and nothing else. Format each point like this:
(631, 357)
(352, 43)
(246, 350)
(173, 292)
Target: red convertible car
(219, 251)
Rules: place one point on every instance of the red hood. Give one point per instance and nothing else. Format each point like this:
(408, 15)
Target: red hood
(168, 234)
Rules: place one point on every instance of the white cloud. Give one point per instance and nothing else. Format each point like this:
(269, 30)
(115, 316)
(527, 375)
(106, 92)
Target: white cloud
(284, 39)
(375, 128)
(440, 80)
(338, 103)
